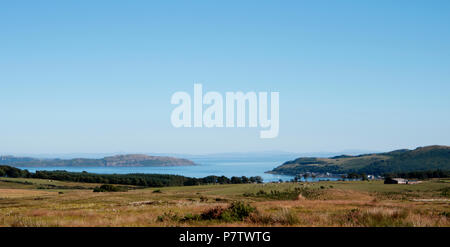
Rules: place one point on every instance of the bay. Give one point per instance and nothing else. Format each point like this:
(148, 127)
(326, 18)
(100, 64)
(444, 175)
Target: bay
(205, 168)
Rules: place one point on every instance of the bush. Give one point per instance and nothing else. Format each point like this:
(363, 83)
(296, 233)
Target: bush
(192, 217)
(445, 192)
(220, 199)
(110, 188)
(169, 216)
(213, 214)
(237, 211)
(446, 214)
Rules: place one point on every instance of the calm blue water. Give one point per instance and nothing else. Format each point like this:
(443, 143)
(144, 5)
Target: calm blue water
(206, 168)
(218, 168)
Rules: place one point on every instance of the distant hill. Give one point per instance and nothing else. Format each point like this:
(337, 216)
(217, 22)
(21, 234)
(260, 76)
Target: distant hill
(130, 160)
(420, 159)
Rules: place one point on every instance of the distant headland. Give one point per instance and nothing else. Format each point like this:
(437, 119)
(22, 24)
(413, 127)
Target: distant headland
(129, 160)
(404, 160)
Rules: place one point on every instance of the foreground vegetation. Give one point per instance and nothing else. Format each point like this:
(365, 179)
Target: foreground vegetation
(44, 202)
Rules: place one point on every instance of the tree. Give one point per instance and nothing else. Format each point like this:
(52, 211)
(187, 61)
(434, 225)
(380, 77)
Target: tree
(305, 176)
(364, 177)
(236, 180)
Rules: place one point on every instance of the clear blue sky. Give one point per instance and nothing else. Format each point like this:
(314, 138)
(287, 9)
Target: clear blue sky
(97, 76)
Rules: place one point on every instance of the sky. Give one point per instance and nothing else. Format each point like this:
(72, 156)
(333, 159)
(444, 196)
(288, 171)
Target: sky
(98, 76)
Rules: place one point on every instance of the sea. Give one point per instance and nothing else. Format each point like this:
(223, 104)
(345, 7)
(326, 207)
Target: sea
(228, 168)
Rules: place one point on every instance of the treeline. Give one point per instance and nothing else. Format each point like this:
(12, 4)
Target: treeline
(145, 180)
(420, 174)
(12, 172)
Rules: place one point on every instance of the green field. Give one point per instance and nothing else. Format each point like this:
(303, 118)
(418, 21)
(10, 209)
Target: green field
(38, 202)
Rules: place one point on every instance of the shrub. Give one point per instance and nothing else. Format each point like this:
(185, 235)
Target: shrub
(169, 216)
(213, 214)
(110, 188)
(446, 214)
(445, 192)
(237, 211)
(192, 217)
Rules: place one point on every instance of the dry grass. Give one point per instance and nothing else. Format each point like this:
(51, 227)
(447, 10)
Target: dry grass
(21, 193)
(355, 204)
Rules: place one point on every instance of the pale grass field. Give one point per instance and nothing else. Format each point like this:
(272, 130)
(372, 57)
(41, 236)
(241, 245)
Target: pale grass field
(22, 193)
(352, 204)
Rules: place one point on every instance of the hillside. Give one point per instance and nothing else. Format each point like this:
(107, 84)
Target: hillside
(420, 159)
(131, 160)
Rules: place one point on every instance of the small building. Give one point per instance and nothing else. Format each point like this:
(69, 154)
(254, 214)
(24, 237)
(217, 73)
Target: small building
(400, 181)
(395, 181)
(413, 182)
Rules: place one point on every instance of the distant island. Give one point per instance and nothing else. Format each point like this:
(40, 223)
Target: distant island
(130, 160)
(421, 159)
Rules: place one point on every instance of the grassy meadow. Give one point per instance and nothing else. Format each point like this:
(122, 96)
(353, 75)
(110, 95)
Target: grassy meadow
(48, 203)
